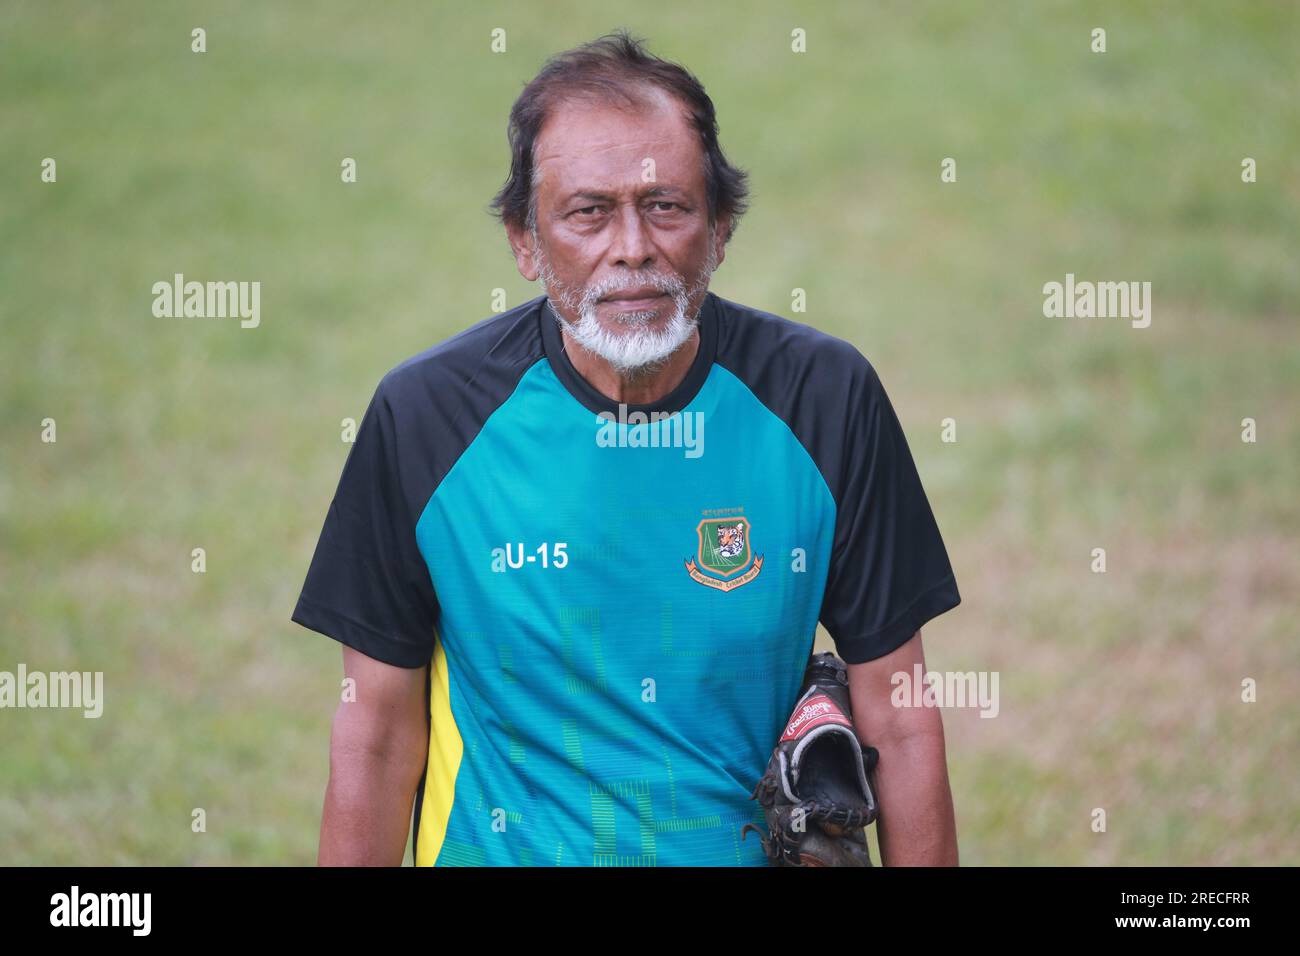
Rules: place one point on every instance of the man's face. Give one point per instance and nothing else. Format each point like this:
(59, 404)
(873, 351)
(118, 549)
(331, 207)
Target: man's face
(622, 241)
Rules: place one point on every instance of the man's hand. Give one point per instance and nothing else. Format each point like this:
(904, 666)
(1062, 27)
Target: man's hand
(917, 826)
(378, 749)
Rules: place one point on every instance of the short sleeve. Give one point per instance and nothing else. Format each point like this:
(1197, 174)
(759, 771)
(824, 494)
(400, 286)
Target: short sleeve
(368, 586)
(889, 572)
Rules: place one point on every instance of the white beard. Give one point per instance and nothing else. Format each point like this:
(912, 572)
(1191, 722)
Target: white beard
(635, 348)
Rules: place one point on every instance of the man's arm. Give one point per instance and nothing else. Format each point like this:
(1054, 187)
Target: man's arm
(917, 826)
(378, 749)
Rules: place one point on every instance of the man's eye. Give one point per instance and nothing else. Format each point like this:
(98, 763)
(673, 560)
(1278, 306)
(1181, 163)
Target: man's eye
(585, 210)
(664, 202)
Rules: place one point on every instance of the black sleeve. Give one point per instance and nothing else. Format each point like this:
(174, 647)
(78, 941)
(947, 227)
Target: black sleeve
(889, 570)
(368, 586)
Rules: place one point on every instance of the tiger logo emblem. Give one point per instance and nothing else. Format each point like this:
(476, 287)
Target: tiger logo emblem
(731, 539)
(723, 560)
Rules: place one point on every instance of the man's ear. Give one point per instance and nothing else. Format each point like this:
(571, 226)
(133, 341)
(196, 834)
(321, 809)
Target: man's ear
(521, 244)
(719, 239)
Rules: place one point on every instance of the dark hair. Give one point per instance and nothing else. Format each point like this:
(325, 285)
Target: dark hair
(613, 68)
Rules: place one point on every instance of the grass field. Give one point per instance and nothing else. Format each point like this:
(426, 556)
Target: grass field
(1119, 690)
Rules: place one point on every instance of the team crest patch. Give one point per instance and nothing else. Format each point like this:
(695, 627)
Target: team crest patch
(723, 557)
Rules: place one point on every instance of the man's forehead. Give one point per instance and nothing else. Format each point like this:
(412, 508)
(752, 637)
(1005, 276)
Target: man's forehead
(586, 144)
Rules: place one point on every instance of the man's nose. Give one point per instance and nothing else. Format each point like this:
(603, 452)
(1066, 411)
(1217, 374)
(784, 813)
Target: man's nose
(631, 243)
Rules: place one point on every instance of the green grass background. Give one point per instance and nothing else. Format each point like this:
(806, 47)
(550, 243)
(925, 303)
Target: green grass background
(1119, 691)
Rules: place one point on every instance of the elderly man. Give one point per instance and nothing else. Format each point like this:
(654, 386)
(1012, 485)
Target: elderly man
(578, 552)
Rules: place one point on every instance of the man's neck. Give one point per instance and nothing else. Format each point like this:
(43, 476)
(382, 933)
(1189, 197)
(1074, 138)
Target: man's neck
(646, 388)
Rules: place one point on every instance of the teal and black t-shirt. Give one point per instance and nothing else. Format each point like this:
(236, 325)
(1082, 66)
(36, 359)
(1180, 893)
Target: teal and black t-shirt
(616, 604)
